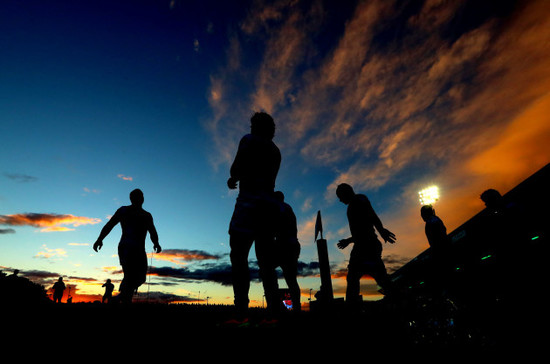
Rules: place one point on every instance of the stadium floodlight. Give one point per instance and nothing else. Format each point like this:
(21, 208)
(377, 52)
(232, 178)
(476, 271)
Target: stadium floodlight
(429, 195)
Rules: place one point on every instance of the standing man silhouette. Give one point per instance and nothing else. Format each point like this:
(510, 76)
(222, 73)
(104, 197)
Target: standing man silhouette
(135, 223)
(288, 249)
(108, 291)
(58, 289)
(366, 255)
(439, 242)
(255, 169)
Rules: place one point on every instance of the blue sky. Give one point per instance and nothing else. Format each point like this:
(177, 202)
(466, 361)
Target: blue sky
(100, 97)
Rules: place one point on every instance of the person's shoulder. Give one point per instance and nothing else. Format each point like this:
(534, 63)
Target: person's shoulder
(361, 198)
(247, 138)
(122, 209)
(146, 214)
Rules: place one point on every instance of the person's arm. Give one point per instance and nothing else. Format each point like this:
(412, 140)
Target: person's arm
(342, 244)
(236, 168)
(154, 236)
(387, 235)
(106, 230)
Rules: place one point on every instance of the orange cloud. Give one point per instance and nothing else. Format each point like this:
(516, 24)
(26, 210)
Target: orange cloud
(182, 256)
(48, 222)
(126, 178)
(48, 253)
(520, 150)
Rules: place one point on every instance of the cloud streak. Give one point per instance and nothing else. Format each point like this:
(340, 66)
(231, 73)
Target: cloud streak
(125, 178)
(47, 222)
(21, 178)
(183, 256)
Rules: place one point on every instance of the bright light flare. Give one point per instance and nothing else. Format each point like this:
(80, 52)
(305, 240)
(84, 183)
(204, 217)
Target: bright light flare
(429, 195)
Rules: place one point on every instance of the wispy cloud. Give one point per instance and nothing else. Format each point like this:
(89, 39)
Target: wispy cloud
(48, 222)
(22, 178)
(47, 253)
(126, 178)
(91, 190)
(400, 96)
(183, 256)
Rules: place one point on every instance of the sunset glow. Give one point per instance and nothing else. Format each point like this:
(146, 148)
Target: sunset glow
(101, 97)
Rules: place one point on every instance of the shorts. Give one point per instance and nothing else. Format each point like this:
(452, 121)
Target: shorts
(254, 215)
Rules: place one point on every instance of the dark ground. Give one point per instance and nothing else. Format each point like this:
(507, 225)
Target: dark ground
(377, 323)
(168, 332)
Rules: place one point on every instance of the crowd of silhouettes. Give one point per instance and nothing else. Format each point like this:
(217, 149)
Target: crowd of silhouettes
(261, 217)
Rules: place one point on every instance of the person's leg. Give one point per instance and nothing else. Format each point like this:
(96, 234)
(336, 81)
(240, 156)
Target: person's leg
(353, 280)
(240, 245)
(377, 270)
(290, 272)
(134, 266)
(265, 254)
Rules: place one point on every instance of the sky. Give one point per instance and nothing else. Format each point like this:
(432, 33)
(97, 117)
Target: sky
(98, 98)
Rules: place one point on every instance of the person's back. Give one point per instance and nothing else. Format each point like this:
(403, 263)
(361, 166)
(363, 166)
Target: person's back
(436, 232)
(135, 223)
(258, 159)
(287, 231)
(257, 164)
(361, 218)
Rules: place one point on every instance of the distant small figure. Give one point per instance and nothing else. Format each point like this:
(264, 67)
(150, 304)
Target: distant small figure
(108, 295)
(288, 249)
(58, 289)
(255, 169)
(135, 223)
(366, 256)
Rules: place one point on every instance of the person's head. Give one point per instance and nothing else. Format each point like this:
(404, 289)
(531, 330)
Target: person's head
(262, 124)
(60, 279)
(426, 212)
(345, 193)
(492, 198)
(108, 280)
(136, 197)
(279, 196)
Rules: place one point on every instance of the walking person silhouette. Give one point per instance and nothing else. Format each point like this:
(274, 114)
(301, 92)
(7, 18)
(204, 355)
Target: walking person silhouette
(366, 255)
(288, 249)
(135, 223)
(108, 291)
(255, 170)
(58, 289)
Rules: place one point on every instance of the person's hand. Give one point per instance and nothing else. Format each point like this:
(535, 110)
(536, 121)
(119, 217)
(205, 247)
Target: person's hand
(157, 248)
(97, 245)
(342, 244)
(232, 183)
(388, 236)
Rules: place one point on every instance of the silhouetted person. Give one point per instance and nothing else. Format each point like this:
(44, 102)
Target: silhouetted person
(255, 169)
(506, 228)
(439, 242)
(135, 223)
(366, 255)
(58, 289)
(108, 291)
(288, 248)
(435, 229)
